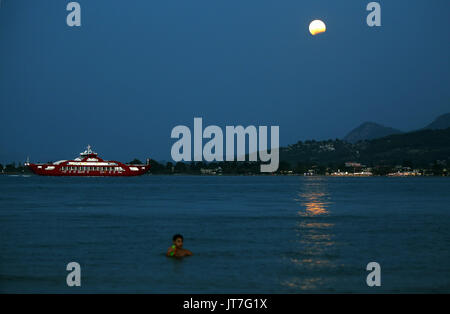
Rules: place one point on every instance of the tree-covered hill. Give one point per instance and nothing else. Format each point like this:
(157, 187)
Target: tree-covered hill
(421, 148)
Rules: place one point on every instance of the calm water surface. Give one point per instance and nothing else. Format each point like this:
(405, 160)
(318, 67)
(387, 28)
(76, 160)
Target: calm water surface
(248, 234)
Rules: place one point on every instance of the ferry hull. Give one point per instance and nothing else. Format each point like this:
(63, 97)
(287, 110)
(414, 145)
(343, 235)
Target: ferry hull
(44, 170)
(89, 164)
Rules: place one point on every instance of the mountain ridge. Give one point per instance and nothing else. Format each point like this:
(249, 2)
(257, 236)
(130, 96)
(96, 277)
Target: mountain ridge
(441, 122)
(371, 130)
(368, 131)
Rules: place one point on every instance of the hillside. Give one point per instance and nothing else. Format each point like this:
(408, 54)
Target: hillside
(441, 122)
(369, 131)
(420, 148)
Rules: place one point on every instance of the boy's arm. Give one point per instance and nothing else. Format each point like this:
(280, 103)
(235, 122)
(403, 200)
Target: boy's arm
(170, 250)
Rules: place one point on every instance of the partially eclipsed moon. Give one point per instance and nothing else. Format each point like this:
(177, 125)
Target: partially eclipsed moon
(317, 27)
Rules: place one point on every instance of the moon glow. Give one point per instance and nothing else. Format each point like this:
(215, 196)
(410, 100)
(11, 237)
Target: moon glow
(317, 27)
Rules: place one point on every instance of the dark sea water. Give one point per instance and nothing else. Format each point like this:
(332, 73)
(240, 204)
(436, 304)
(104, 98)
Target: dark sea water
(248, 234)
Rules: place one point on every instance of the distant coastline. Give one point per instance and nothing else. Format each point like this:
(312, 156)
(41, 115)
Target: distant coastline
(252, 169)
(420, 153)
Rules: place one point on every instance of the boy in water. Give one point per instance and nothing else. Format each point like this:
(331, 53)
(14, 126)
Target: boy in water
(176, 250)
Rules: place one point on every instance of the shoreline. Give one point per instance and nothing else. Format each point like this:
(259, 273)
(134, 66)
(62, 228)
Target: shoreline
(28, 174)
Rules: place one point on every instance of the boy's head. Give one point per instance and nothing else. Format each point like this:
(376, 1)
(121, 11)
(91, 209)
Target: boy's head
(178, 240)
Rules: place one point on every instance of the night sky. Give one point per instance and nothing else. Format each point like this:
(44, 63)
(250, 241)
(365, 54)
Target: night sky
(136, 69)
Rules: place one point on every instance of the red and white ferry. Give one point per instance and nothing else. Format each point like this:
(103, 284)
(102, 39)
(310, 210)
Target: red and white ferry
(89, 164)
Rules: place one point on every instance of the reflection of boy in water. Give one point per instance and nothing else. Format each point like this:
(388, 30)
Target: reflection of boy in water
(176, 249)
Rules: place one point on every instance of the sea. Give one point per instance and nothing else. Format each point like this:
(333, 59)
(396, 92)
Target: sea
(248, 234)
